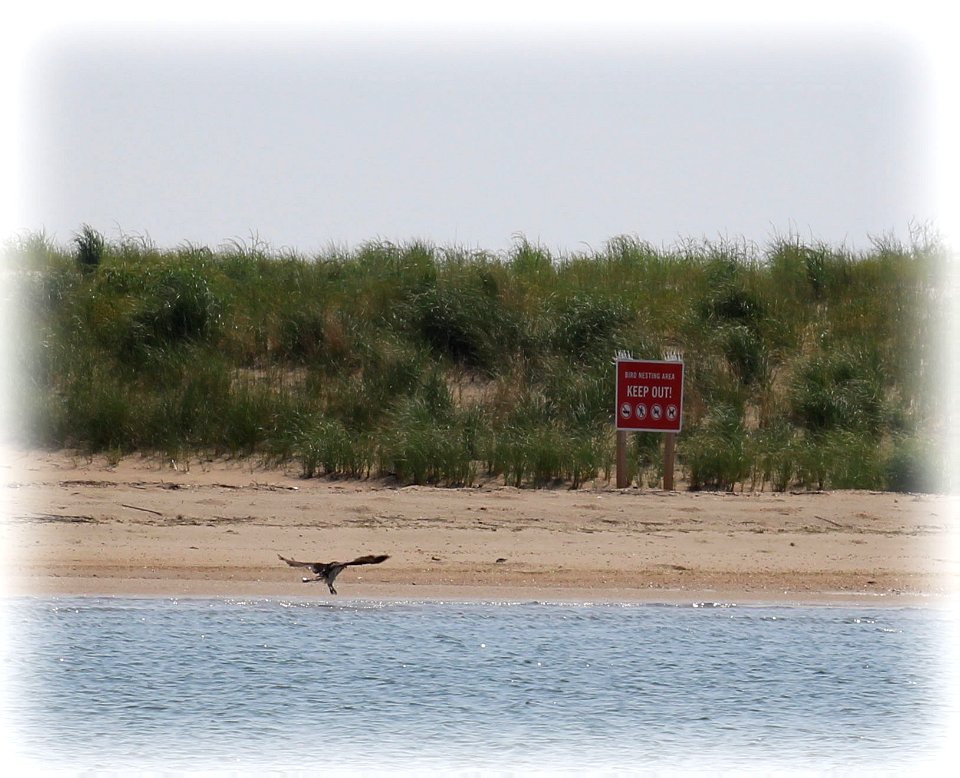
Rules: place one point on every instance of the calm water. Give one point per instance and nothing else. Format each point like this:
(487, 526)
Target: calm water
(197, 684)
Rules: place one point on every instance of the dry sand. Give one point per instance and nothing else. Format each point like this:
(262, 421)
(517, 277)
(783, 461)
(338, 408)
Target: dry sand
(143, 527)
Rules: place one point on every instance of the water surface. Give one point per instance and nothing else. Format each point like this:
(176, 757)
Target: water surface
(219, 684)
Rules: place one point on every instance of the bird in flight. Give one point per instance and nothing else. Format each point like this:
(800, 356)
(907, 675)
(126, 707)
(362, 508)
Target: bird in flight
(328, 571)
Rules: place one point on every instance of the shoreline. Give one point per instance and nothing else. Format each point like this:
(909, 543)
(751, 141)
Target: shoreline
(142, 528)
(614, 598)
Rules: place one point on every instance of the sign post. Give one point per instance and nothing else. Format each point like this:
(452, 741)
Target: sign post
(622, 480)
(669, 445)
(649, 399)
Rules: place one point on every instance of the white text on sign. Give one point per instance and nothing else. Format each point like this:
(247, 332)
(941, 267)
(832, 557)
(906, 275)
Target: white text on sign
(656, 392)
(649, 376)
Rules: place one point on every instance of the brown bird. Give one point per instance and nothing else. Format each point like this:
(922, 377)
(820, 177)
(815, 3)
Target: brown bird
(328, 571)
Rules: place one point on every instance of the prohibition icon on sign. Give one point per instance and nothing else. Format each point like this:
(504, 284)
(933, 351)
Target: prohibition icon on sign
(625, 410)
(641, 411)
(656, 413)
(672, 412)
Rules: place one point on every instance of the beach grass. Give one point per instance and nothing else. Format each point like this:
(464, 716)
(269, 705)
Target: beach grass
(807, 365)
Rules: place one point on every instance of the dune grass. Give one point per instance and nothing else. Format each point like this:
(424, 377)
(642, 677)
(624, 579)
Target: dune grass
(808, 366)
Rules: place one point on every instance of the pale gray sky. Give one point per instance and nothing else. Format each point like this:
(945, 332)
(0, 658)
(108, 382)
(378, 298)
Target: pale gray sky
(566, 134)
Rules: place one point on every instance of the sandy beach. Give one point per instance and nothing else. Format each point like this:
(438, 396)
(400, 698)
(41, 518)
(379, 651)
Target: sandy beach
(147, 527)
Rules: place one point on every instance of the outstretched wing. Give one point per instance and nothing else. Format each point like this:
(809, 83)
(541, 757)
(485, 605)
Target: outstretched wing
(295, 563)
(370, 559)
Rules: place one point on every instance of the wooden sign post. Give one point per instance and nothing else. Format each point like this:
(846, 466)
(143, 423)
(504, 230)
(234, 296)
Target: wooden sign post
(649, 399)
(622, 481)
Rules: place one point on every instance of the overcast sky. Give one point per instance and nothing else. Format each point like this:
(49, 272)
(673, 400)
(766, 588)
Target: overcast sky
(566, 134)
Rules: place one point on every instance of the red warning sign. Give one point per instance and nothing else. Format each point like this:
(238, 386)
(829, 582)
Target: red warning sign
(649, 395)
